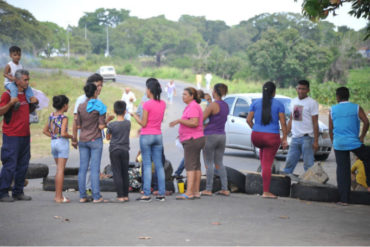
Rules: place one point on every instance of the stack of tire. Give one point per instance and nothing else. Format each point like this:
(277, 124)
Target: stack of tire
(37, 170)
(106, 184)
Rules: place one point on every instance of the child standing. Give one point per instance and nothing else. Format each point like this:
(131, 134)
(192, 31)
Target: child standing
(118, 132)
(57, 128)
(15, 54)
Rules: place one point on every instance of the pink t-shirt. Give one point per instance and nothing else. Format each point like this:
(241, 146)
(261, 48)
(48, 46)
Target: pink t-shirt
(192, 110)
(155, 111)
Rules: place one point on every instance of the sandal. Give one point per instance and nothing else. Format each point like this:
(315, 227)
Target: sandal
(184, 197)
(100, 200)
(223, 193)
(116, 200)
(197, 196)
(64, 200)
(206, 193)
(269, 196)
(84, 200)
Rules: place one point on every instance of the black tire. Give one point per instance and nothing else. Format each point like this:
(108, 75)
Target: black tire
(36, 170)
(216, 184)
(360, 197)
(71, 171)
(170, 186)
(70, 182)
(280, 185)
(315, 192)
(235, 180)
(321, 157)
(168, 170)
(107, 185)
(114, 80)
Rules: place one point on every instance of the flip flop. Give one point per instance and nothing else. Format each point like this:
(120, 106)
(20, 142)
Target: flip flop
(101, 200)
(65, 200)
(84, 200)
(205, 194)
(197, 197)
(270, 197)
(116, 200)
(184, 197)
(222, 193)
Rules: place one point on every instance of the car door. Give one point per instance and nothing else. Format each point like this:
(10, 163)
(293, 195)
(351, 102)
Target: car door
(239, 133)
(230, 102)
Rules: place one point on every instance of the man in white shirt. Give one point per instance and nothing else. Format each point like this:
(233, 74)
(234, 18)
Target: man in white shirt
(129, 97)
(303, 124)
(208, 78)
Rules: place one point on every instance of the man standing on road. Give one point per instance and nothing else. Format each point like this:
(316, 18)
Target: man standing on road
(129, 97)
(304, 125)
(344, 129)
(15, 152)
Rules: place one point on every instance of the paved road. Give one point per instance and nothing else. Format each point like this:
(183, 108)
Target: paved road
(237, 220)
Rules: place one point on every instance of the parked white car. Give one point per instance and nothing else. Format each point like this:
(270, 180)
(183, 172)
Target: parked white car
(107, 72)
(238, 132)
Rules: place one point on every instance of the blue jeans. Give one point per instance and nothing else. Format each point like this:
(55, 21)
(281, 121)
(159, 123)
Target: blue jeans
(151, 147)
(15, 156)
(300, 145)
(181, 168)
(14, 91)
(90, 153)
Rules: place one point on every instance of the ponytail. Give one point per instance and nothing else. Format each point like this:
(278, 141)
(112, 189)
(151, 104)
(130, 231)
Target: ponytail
(268, 90)
(154, 87)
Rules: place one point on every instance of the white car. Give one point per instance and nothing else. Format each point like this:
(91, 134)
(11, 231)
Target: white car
(107, 72)
(238, 132)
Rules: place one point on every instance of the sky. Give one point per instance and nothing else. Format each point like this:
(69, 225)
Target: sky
(68, 12)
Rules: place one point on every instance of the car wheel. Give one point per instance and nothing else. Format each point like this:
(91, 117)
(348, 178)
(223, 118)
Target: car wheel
(280, 185)
(315, 192)
(36, 170)
(235, 180)
(321, 157)
(114, 80)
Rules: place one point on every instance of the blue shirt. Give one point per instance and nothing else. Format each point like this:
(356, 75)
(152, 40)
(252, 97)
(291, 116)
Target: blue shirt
(346, 125)
(276, 108)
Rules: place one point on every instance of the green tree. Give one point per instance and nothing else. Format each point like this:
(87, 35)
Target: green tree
(55, 38)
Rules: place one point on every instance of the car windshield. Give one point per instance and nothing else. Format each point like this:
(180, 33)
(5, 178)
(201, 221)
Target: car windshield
(107, 69)
(286, 102)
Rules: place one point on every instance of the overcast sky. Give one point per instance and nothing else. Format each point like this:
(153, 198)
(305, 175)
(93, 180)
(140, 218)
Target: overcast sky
(68, 12)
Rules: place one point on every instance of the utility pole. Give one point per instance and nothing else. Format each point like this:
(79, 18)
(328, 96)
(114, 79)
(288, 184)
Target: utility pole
(107, 51)
(68, 54)
(85, 33)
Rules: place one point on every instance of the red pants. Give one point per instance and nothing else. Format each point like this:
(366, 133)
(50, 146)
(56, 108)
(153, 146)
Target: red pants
(268, 143)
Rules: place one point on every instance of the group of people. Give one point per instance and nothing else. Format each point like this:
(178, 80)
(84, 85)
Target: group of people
(201, 129)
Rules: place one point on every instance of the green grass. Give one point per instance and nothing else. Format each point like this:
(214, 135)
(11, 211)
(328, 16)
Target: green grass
(59, 83)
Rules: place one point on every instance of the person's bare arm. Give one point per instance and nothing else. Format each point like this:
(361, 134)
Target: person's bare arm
(7, 73)
(64, 130)
(46, 131)
(192, 122)
(74, 131)
(289, 125)
(365, 126)
(144, 120)
(331, 127)
(212, 109)
(315, 122)
(250, 119)
(108, 136)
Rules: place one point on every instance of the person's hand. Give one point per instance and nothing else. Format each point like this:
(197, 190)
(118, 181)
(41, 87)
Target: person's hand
(315, 146)
(110, 118)
(362, 139)
(174, 123)
(14, 100)
(74, 144)
(131, 99)
(284, 144)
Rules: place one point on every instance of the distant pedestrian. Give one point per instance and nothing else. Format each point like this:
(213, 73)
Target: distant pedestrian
(57, 128)
(344, 130)
(15, 150)
(118, 132)
(91, 120)
(214, 132)
(129, 98)
(192, 138)
(171, 91)
(303, 123)
(151, 140)
(198, 79)
(208, 78)
(267, 113)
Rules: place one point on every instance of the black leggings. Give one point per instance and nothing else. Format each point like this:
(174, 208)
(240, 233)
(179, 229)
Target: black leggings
(119, 160)
(344, 169)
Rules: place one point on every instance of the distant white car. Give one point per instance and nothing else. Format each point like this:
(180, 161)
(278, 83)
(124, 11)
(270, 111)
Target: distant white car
(238, 132)
(107, 72)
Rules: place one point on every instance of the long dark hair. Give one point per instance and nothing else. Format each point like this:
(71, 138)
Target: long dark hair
(268, 90)
(193, 92)
(220, 89)
(154, 87)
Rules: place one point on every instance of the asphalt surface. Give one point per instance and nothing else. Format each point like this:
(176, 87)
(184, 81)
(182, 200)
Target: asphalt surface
(236, 220)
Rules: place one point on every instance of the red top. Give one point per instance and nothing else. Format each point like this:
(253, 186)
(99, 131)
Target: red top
(19, 124)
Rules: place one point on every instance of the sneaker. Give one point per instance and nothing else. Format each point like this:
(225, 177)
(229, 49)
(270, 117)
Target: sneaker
(142, 199)
(160, 198)
(6, 199)
(22, 197)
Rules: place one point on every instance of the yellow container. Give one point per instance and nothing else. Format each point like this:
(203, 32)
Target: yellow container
(181, 186)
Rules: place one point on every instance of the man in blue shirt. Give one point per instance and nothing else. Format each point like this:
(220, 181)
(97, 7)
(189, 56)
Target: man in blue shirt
(344, 129)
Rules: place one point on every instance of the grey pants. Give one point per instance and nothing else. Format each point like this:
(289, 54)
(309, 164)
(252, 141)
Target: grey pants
(213, 154)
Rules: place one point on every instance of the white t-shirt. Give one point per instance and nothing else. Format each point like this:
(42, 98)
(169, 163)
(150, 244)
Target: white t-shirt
(13, 68)
(126, 97)
(79, 101)
(302, 112)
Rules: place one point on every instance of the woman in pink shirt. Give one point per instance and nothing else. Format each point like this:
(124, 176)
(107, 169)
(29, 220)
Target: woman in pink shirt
(151, 143)
(192, 138)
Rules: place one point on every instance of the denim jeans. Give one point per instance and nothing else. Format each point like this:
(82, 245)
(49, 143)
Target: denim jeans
(15, 156)
(181, 168)
(151, 147)
(300, 145)
(14, 91)
(90, 153)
